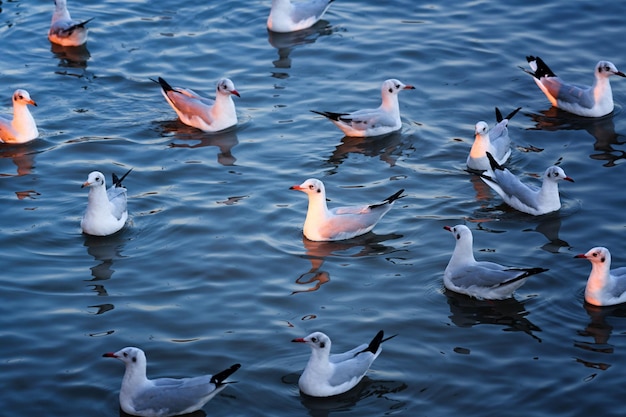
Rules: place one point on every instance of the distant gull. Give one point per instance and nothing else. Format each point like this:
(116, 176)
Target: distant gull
(329, 374)
(322, 224)
(286, 16)
(164, 397)
(200, 112)
(589, 101)
(495, 141)
(22, 128)
(480, 279)
(605, 286)
(65, 31)
(526, 198)
(372, 122)
(106, 209)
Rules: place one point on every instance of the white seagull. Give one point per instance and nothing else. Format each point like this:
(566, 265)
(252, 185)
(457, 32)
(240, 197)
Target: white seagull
(23, 127)
(605, 286)
(329, 374)
(200, 112)
(589, 101)
(163, 397)
(495, 141)
(106, 209)
(322, 224)
(526, 198)
(480, 279)
(372, 122)
(286, 16)
(65, 31)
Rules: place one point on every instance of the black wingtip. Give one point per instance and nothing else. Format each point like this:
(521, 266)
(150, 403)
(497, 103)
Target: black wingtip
(219, 377)
(376, 342)
(398, 195)
(542, 68)
(493, 163)
(330, 115)
(118, 181)
(513, 113)
(499, 117)
(527, 272)
(164, 85)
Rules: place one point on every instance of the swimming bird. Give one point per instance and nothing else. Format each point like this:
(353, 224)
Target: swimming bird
(495, 141)
(22, 128)
(480, 279)
(329, 374)
(164, 397)
(286, 16)
(372, 122)
(526, 198)
(65, 31)
(605, 286)
(200, 112)
(106, 209)
(588, 101)
(322, 224)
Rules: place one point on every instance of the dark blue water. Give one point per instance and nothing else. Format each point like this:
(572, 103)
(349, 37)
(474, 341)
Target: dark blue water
(212, 268)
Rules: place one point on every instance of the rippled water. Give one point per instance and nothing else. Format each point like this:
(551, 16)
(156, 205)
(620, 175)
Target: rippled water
(212, 268)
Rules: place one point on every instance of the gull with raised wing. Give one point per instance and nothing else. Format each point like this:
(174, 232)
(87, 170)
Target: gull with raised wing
(595, 100)
(480, 279)
(605, 286)
(286, 16)
(106, 209)
(329, 374)
(323, 224)
(495, 141)
(372, 122)
(65, 31)
(22, 128)
(526, 198)
(164, 397)
(203, 113)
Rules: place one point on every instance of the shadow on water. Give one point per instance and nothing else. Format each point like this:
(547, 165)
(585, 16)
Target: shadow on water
(198, 413)
(368, 244)
(71, 56)
(388, 148)
(509, 313)
(286, 42)
(22, 155)
(602, 129)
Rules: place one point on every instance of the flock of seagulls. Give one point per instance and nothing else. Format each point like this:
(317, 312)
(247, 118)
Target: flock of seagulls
(328, 374)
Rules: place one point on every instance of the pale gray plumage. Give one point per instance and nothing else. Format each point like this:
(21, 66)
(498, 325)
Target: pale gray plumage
(22, 127)
(63, 29)
(286, 16)
(605, 286)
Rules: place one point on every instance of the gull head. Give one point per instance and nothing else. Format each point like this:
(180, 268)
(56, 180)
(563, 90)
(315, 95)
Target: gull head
(555, 174)
(95, 179)
(312, 187)
(597, 255)
(481, 128)
(131, 356)
(22, 97)
(607, 68)
(317, 340)
(226, 87)
(460, 232)
(393, 87)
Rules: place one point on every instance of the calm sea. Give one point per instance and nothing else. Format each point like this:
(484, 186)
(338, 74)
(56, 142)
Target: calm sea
(212, 268)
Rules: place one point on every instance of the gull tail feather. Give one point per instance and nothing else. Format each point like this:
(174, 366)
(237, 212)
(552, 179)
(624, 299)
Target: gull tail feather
(330, 115)
(526, 273)
(219, 377)
(118, 181)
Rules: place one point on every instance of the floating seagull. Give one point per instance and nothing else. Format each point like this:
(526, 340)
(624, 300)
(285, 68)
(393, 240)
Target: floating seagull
(372, 122)
(106, 209)
(164, 397)
(286, 16)
(589, 101)
(495, 141)
(482, 280)
(23, 127)
(322, 224)
(203, 113)
(65, 31)
(605, 286)
(522, 197)
(329, 374)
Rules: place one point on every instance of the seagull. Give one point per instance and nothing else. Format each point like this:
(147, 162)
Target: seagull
(482, 280)
(23, 127)
(163, 397)
(322, 224)
(106, 209)
(522, 197)
(372, 122)
(203, 113)
(605, 286)
(286, 16)
(495, 141)
(588, 101)
(65, 31)
(329, 374)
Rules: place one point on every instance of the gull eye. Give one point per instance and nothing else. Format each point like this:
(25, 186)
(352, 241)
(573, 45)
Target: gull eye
(125, 354)
(311, 187)
(595, 254)
(314, 339)
(398, 86)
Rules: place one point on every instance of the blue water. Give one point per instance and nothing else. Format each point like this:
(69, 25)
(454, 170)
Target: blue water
(212, 268)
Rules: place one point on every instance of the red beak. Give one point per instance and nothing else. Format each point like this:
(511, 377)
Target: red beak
(299, 340)
(448, 228)
(295, 187)
(109, 355)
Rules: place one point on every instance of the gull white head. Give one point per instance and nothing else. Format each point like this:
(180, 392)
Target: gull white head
(481, 128)
(312, 187)
(23, 98)
(318, 341)
(555, 173)
(94, 179)
(226, 87)
(606, 69)
(393, 87)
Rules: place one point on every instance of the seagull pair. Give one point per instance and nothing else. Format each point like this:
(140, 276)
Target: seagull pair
(588, 101)
(496, 141)
(323, 224)
(329, 374)
(22, 128)
(164, 397)
(106, 209)
(65, 31)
